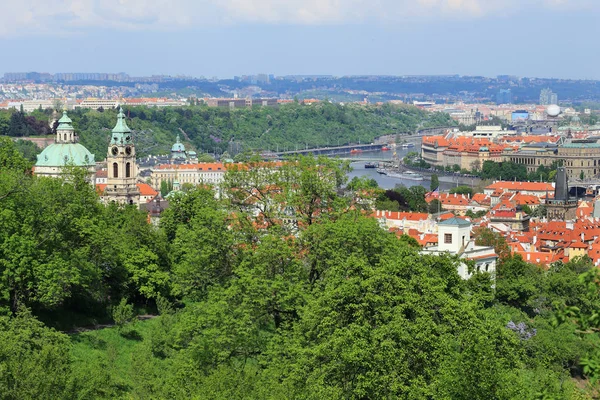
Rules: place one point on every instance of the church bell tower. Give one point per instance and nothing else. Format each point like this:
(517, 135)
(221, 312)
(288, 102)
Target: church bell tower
(122, 169)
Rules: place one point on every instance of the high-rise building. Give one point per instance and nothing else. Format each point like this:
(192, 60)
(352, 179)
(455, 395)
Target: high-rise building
(504, 96)
(548, 97)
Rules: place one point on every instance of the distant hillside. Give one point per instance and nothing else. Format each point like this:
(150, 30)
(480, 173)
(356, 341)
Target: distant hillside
(284, 127)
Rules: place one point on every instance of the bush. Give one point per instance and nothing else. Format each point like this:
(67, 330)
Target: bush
(123, 313)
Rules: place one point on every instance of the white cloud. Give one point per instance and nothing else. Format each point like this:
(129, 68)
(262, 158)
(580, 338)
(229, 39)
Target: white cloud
(24, 17)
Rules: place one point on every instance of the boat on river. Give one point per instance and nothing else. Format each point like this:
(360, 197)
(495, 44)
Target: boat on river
(408, 145)
(385, 148)
(355, 151)
(381, 171)
(370, 165)
(408, 175)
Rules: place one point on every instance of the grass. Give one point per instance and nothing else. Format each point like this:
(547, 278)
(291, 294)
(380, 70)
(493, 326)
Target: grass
(112, 349)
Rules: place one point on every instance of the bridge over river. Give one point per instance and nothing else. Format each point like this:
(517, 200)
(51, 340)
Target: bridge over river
(375, 146)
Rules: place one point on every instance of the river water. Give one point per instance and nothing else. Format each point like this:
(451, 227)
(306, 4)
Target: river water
(384, 181)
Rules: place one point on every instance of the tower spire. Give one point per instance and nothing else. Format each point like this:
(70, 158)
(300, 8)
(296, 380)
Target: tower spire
(121, 134)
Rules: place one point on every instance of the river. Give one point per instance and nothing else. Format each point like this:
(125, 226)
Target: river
(384, 181)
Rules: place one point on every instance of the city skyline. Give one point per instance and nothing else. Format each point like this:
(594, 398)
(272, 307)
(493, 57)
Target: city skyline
(430, 37)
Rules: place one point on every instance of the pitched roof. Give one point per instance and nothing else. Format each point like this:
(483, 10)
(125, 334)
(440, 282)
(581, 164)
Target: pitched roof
(527, 186)
(454, 221)
(146, 190)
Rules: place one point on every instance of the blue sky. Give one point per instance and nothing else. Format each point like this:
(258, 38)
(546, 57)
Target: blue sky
(543, 38)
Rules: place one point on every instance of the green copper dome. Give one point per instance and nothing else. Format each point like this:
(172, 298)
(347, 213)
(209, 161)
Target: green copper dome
(121, 134)
(178, 146)
(64, 123)
(65, 119)
(60, 154)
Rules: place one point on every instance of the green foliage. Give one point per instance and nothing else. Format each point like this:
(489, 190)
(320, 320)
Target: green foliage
(205, 157)
(435, 206)
(283, 127)
(403, 199)
(462, 190)
(275, 287)
(476, 214)
(435, 182)
(488, 237)
(10, 157)
(123, 313)
(362, 183)
(505, 170)
(28, 149)
(34, 360)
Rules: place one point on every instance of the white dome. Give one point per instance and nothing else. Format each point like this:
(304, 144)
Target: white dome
(553, 110)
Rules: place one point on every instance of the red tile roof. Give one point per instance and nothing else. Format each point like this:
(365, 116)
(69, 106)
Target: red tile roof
(521, 186)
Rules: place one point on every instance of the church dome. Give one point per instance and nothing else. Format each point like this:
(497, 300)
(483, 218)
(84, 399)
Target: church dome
(60, 154)
(178, 146)
(65, 150)
(178, 150)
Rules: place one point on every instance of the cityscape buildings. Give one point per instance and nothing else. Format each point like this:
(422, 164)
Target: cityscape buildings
(504, 96)
(547, 97)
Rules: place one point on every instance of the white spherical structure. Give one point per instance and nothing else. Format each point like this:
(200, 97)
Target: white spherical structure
(553, 110)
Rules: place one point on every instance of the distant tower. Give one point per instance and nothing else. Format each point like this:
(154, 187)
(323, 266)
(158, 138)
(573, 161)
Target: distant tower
(122, 168)
(561, 188)
(561, 207)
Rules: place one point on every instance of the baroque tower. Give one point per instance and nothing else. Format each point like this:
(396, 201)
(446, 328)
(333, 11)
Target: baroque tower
(122, 169)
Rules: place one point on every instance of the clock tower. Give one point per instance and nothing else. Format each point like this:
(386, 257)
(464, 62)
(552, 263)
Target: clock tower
(122, 169)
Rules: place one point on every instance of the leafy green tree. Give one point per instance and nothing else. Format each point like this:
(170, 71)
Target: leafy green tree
(205, 157)
(201, 253)
(362, 183)
(517, 283)
(11, 158)
(435, 182)
(487, 237)
(462, 190)
(435, 206)
(35, 360)
(123, 313)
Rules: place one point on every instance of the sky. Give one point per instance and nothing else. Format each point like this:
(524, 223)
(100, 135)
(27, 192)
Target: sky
(223, 38)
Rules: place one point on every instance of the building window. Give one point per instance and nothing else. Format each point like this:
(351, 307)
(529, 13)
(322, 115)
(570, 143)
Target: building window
(115, 170)
(448, 238)
(128, 170)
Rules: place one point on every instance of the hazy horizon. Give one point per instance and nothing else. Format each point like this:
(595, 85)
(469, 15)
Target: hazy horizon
(532, 38)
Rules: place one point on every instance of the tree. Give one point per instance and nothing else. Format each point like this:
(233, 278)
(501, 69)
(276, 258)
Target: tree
(123, 313)
(435, 206)
(11, 158)
(35, 360)
(362, 183)
(487, 237)
(517, 283)
(462, 190)
(205, 157)
(202, 250)
(435, 182)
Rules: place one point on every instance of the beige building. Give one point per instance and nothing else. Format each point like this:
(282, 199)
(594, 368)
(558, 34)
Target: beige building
(581, 158)
(195, 174)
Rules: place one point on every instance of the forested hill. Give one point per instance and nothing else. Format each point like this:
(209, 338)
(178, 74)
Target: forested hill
(208, 128)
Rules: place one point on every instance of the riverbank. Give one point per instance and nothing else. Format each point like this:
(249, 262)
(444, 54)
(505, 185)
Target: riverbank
(446, 177)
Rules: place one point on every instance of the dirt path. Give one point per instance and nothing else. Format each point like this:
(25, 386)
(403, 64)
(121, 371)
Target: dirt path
(89, 328)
